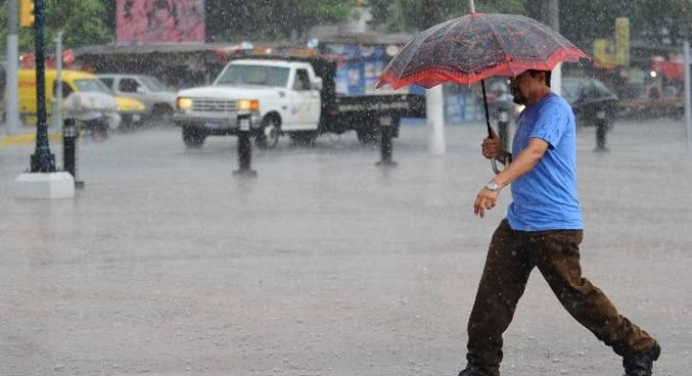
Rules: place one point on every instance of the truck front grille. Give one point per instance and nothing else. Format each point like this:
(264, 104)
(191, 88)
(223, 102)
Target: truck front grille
(213, 105)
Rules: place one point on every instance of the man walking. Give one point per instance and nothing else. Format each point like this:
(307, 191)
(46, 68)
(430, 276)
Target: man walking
(543, 229)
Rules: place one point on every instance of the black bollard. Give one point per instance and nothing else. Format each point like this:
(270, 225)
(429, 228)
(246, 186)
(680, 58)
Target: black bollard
(244, 147)
(601, 130)
(387, 129)
(503, 127)
(70, 136)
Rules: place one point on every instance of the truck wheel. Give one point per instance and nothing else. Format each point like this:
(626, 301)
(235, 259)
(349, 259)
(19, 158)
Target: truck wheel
(269, 133)
(193, 138)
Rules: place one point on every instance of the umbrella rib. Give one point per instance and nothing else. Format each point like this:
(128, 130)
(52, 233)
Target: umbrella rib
(501, 46)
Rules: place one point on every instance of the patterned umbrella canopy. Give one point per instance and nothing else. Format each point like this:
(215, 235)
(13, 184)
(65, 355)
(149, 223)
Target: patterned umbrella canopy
(468, 49)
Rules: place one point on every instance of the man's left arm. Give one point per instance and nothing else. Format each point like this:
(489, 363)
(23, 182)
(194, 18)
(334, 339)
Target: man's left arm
(521, 164)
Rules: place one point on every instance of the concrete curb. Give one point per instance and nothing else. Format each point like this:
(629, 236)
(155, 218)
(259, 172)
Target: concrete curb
(25, 139)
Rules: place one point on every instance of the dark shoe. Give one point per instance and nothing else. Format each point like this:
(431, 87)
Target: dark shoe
(641, 364)
(471, 372)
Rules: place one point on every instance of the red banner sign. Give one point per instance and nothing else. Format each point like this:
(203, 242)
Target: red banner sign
(141, 21)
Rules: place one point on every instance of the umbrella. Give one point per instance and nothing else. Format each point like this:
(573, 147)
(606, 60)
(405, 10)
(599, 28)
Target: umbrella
(468, 49)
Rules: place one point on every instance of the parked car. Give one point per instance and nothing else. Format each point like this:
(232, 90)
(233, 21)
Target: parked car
(587, 96)
(73, 81)
(158, 99)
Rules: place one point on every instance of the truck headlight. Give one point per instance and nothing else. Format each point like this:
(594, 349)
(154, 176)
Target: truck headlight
(183, 103)
(248, 105)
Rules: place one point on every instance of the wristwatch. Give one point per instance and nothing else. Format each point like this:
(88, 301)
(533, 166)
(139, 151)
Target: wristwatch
(493, 187)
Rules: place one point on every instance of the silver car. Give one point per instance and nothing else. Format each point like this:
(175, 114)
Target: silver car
(158, 99)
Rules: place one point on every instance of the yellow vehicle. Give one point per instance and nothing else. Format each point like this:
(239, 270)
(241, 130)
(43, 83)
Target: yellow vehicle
(130, 109)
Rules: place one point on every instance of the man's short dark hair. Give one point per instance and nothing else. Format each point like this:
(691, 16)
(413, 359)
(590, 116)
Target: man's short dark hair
(548, 74)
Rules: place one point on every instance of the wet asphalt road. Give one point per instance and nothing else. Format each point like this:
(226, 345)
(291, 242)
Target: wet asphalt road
(325, 264)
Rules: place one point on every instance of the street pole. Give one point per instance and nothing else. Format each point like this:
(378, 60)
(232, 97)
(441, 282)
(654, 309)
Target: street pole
(434, 97)
(554, 12)
(57, 109)
(42, 160)
(434, 112)
(244, 147)
(11, 98)
(688, 95)
(548, 12)
(550, 15)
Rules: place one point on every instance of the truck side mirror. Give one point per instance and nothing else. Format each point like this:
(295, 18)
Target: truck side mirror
(317, 84)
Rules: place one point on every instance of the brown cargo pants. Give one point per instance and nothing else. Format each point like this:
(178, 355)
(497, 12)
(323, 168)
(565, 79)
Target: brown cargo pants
(511, 257)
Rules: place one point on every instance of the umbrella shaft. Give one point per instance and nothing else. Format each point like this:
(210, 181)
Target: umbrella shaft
(485, 105)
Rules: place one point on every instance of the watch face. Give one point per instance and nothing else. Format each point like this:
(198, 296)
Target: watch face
(492, 187)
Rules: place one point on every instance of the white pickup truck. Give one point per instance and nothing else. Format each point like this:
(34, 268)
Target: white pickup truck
(283, 97)
(292, 96)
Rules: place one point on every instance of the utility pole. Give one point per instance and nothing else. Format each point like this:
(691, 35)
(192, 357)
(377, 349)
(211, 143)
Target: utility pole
(42, 181)
(11, 98)
(434, 97)
(57, 108)
(42, 160)
(554, 15)
(687, 96)
(548, 12)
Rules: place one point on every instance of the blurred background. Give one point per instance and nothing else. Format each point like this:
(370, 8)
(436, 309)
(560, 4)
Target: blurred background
(636, 46)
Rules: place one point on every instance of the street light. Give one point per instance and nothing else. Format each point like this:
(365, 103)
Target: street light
(42, 160)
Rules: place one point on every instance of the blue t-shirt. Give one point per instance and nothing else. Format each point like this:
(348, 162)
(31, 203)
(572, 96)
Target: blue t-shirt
(545, 198)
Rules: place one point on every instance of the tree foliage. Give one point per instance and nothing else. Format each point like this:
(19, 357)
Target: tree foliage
(82, 23)
(584, 20)
(409, 15)
(581, 21)
(235, 20)
(86, 22)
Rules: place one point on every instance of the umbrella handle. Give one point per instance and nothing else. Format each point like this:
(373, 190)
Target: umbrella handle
(493, 161)
(493, 164)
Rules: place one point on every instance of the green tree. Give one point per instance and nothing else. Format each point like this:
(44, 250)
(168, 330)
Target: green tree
(82, 23)
(236, 20)
(405, 15)
(582, 21)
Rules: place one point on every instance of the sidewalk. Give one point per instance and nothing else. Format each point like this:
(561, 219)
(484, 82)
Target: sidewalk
(25, 135)
(165, 264)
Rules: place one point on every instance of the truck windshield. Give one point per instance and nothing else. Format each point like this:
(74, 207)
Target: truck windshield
(92, 85)
(255, 75)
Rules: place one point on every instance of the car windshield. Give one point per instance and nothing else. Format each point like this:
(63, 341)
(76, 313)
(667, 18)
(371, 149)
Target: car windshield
(254, 75)
(92, 85)
(153, 83)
